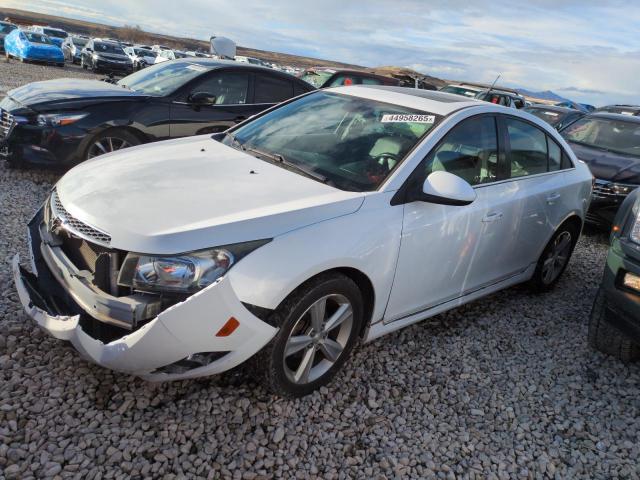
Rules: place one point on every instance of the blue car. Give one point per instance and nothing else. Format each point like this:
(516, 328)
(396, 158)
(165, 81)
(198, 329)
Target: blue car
(56, 35)
(31, 46)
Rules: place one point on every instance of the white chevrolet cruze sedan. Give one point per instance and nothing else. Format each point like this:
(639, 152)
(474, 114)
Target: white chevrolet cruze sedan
(339, 216)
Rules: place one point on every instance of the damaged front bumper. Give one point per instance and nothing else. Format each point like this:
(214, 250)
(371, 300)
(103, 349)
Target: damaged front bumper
(183, 341)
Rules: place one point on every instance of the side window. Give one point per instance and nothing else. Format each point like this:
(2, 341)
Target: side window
(528, 148)
(566, 161)
(555, 155)
(272, 89)
(371, 81)
(299, 89)
(469, 150)
(345, 80)
(229, 88)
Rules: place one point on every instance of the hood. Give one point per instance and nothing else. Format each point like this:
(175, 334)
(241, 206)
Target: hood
(113, 56)
(195, 193)
(69, 89)
(609, 166)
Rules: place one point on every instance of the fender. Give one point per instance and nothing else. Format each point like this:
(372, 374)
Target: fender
(367, 240)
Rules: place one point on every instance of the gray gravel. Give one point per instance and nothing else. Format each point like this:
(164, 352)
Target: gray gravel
(14, 74)
(502, 388)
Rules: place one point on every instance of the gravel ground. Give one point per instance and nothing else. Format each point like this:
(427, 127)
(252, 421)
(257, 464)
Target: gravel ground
(14, 74)
(505, 387)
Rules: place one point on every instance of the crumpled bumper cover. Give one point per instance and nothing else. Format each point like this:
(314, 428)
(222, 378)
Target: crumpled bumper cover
(179, 331)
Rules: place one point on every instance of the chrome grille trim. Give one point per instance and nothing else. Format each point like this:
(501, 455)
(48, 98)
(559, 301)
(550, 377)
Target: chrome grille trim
(604, 189)
(6, 123)
(63, 219)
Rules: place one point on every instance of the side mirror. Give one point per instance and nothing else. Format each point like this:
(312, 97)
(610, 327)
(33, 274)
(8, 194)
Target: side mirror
(446, 188)
(202, 98)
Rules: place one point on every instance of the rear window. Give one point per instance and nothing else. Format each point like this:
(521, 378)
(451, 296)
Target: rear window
(548, 116)
(52, 32)
(37, 38)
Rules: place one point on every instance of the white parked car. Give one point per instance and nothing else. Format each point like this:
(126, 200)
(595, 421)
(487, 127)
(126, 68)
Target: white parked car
(341, 215)
(141, 57)
(166, 55)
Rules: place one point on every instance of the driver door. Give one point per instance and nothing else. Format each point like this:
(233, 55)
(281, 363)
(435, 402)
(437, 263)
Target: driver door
(232, 105)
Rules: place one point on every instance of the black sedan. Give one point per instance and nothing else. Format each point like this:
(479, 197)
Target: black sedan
(105, 56)
(609, 144)
(631, 110)
(614, 327)
(557, 117)
(64, 122)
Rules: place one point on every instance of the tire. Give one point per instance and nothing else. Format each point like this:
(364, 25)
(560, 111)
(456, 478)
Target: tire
(110, 141)
(82, 64)
(541, 280)
(605, 337)
(284, 374)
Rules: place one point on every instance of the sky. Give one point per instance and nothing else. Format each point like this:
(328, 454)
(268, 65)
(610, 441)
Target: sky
(585, 50)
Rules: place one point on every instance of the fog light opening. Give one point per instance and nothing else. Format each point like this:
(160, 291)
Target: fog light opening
(631, 281)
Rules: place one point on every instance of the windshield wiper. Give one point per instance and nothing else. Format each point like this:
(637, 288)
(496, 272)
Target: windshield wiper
(278, 159)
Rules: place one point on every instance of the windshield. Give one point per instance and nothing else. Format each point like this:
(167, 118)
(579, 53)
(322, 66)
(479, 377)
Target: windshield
(352, 143)
(37, 38)
(7, 27)
(80, 42)
(616, 136)
(549, 116)
(52, 32)
(316, 79)
(466, 92)
(145, 53)
(163, 78)
(107, 48)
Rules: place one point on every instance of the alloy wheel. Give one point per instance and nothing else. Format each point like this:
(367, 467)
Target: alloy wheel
(318, 338)
(107, 145)
(557, 257)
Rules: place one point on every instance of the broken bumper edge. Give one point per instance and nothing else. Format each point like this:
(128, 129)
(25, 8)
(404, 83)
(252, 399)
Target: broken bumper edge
(182, 330)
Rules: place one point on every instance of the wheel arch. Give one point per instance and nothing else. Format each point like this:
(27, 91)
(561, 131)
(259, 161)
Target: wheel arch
(362, 281)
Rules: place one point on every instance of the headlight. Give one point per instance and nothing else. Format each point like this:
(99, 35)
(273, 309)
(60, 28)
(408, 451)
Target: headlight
(59, 119)
(184, 273)
(621, 189)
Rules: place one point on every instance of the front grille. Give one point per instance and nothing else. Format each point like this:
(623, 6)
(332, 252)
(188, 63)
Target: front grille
(75, 226)
(611, 190)
(6, 123)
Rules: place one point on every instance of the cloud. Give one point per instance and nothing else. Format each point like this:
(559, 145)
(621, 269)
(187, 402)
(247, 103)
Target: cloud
(540, 44)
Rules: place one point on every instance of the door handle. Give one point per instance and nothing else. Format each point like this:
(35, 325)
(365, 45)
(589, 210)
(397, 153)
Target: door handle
(492, 217)
(239, 119)
(553, 197)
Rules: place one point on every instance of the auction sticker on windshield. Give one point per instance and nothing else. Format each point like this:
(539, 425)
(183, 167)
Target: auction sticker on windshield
(404, 118)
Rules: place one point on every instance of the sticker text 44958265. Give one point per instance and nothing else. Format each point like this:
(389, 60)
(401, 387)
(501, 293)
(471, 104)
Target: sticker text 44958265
(407, 118)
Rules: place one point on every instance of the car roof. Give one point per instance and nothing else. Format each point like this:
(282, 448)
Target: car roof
(554, 108)
(614, 116)
(431, 101)
(213, 63)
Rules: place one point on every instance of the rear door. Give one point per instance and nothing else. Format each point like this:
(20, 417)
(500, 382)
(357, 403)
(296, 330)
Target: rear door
(535, 172)
(232, 103)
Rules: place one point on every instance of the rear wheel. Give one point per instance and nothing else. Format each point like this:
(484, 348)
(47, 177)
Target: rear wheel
(605, 337)
(555, 257)
(110, 141)
(319, 325)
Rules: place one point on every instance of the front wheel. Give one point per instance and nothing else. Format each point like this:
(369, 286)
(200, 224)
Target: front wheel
(555, 257)
(82, 64)
(319, 324)
(110, 141)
